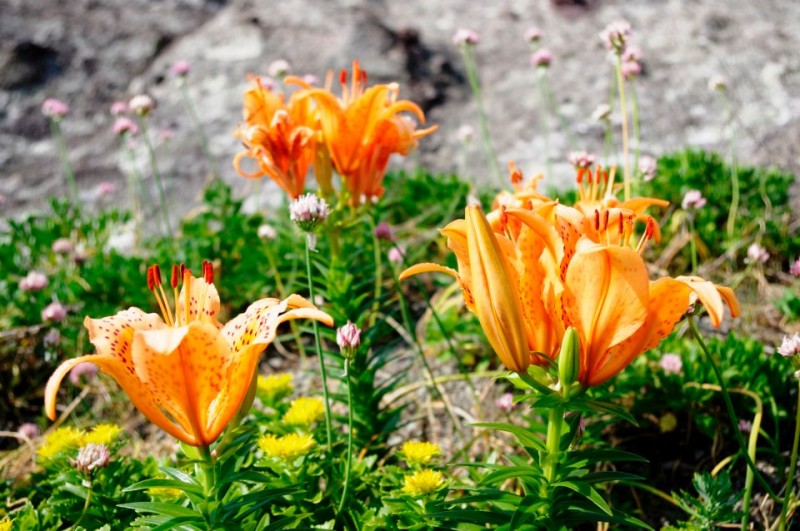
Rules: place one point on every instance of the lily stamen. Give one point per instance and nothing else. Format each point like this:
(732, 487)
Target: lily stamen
(647, 236)
(153, 281)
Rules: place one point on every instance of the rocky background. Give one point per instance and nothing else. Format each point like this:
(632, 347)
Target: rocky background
(90, 53)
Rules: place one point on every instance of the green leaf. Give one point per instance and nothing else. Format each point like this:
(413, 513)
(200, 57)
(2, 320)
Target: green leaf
(586, 490)
(166, 509)
(524, 436)
(165, 483)
(586, 405)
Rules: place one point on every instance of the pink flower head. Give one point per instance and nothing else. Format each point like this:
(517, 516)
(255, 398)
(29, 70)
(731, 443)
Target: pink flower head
(542, 58)
(85, 370)
(180, 68)
(533, 34)
(616, 35)
(119, 108)
(308, 211)
(671, 364)
(795, 268)
(52, 338)
(581, 159)
(279, 68)
(465, 133)
(90, 457)
(648, 166)
(505, 402)
(745, 426)
(693, 200)
(105, 188)
(62, 246)
(55, 311)
(267, 232)
(631, 69)
(395, 255)
(125, 126)
(141, 104)
(29, 430)
(54, 109)
(383, 231)
(348, 337)
(632, 54)
(33, 281)
(311, 79)
(756, 254)
(464, 36)
(790, 346)
(717, 83)
(165, 135)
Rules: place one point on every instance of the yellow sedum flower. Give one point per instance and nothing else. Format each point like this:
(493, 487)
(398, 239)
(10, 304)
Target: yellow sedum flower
(6, 524)
(423, 482)
(60, 439)
(106, 434)
(419, 452)
(304, 411)
(275, 386)
(287, 447)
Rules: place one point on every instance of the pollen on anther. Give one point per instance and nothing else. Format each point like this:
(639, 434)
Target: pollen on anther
(173, 281)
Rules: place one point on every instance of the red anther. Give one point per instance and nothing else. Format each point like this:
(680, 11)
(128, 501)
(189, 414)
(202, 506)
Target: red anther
(650, 230)
(596, 219)
(503, 217)
(579, 177)
(208, 271)
(529, 204)
(621, 219)
(175, 278)
(605, 219)
(343, 77)
(157, 274)
(151, 283)
(514, 173)
(363, 77)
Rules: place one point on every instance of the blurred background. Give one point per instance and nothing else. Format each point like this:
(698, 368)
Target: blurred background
(91, 53)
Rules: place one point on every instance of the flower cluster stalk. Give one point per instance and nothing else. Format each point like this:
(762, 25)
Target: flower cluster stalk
(734, 208)
(317, 340)
(790, 480)
(162, 196)
(201, 133)
(349, 457)
(623, 108)
(544, 117)
(66, 165)
(636, 139)
(483, 123)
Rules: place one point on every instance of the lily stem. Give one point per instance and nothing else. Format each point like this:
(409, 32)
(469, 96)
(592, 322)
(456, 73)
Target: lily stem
(623, 109)
(349, 458)
(208, 480)
(544, 115)
(555, 425)
(322, 370)
(731, 413)
(787, 493)
(376, 245)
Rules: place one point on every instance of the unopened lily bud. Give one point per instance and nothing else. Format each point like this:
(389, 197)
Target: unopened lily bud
(569, 359)
(91, 457)
(348, 337)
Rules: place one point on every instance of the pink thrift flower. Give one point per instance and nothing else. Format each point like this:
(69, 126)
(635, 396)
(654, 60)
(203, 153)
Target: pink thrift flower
(52, 338)
(180, 68)
(105, 189)
(533, 35)
(745, 426)
(648, 167)
(581, 159)
(505, 402)
(62, 246)
(693, 200)
(631, 69)
(54, 109)
(85, 370)
(125, 126)
(29, 430)
(141, 104)
(279, 68)
(119, 108)
(33, 281)
(542, 58)
(756, 254)
(308, 211)
(790, 346)
(464, 36)
(55, 311)
(383, 231)
(395, 255)
(632, 54)
(795, 268)
(671, 364)
(616, 35)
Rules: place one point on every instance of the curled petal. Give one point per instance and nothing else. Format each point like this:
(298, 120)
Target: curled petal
(713, 297)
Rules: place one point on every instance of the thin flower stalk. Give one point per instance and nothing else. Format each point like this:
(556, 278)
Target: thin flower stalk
(734, 208)
(135, 187)
(623, 109)
(790, 480)
(541, 76)
(162, 195)
(198, 127)
(349, 455)
(63, 155)
(483, 123)
(636, 138)
(318, 343)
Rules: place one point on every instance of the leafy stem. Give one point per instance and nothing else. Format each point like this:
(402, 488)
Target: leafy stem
(787, 493)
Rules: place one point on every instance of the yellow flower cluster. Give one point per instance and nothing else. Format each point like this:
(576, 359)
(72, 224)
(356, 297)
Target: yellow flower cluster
(423, 482)
(287, 447)
(6, 524)
(304, 411)
(67, 437)
(275, 387)
(418, 453)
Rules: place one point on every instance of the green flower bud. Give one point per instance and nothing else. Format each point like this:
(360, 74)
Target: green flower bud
(569, 359)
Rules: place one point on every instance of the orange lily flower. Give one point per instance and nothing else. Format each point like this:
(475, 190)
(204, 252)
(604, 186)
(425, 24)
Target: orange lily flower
(363, 129)
(279, 137)
(596, 192)
(185, 372)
